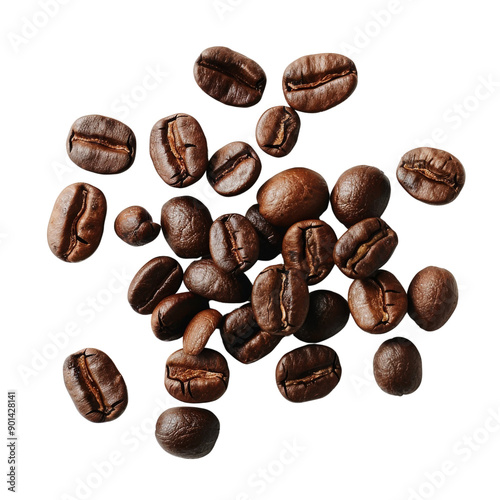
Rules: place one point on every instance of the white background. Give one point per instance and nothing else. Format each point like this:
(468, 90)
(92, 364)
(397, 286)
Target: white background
(428, 71)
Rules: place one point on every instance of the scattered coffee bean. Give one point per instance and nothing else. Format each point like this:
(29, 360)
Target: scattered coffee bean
(278, 130)
(270, 237)
(199, 330)
(135, 226)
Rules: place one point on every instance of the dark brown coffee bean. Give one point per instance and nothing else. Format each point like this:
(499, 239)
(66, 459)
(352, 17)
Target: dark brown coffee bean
(327, 316)
(135, 226)
(280, 300)
(397, 367)
(101, 145)
(95, 385)
(307, 373)
(243, 337)
(234, 244)
(364, 248)
(178, 148)
(205, 278)
(432, 297)
(360, 193)
(229, 77)
(308, 247)
(431, 175)
(293, 195)
(199, 330)
(196, 379)
(173, 314)
(77, 222)
(187, 432)
(277, 131)
(378, 303)
(185, 222)
(233, 169)
(159, 278)
(319, 82)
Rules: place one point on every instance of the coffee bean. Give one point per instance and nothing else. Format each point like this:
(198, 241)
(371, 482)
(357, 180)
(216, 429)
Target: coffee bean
(397, 367)
(95, 385)
(293, 195)
(101, 145)
(172, 315)
(327, 316)
(196, 379)
(308, 247)
(431, 175)
(432, 297)
(135, 226)
(187, 432)
(234, 244)
(360, 193)
(277, 131)
(364, 248)
(229, 77)
(307, 373)
(319, 82)
(77, 222)
(378, 303)
(233, 169)
(280, 300)
(178, 148)
(199, 330)
(185, 222)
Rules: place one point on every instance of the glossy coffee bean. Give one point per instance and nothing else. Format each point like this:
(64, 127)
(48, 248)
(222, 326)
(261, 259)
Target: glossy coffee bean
(178, 148)
(364, 248)
(199, 330)
(278, 130)
(432, 297)
(378, 303)
(196, 379)
(280, 300)
(95, 385)
(308, 247)
(360, 193)
(293, 195)
(307, 373)
(270, 237)
(101, 145)
(229, 77)
(77, 222)
(319, 82)
(431, 175)
(187, 432)
(135, 226)
(397, 367)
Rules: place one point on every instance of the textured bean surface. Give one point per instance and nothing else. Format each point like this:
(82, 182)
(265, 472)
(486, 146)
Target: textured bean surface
(278, 130)
(135, 226)
(199, 330)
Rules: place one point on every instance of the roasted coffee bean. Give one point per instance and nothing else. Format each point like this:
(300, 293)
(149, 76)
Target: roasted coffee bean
(319, 82)
(135, 226)
(159, 278)
(243, 337)
(307, 373)
(308, 247)
(327, 316)
(178, 148)
(378, 303)
(187, 432)
(205, 278)
(229, 77)
(101, 145)
(173, 314)
(277, 131)
(432, 297)
(431, 175)
(77, 222)
(196, 379)
(234, 244)
(397, 367)
(199, 330)
(95, 385)
(360, 193)
(364, 248)
(185, 222)
(293, 195)
(280, 300)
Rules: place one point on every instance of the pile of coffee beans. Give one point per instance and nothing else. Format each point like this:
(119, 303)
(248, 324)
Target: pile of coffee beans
(286, 220)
